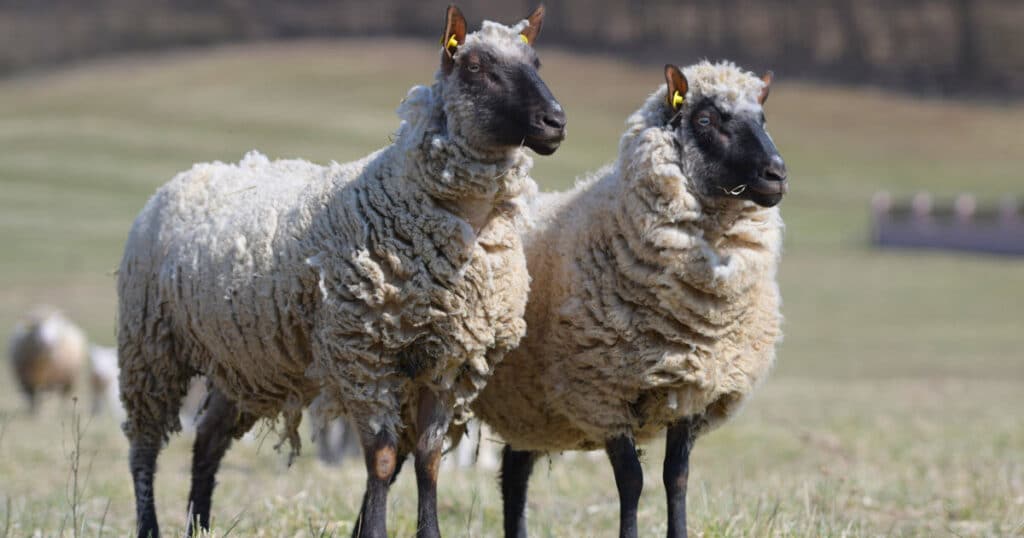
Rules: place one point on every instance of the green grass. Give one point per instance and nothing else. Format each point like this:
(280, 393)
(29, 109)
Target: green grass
(894, 410)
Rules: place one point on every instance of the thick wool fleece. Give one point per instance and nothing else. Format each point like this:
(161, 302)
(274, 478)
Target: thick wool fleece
(346, 287)
(46, 351)
(650, 301)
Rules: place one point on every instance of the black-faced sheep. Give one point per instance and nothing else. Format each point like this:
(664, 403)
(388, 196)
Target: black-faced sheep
(47, 352)
(654, 301)
(384, 290)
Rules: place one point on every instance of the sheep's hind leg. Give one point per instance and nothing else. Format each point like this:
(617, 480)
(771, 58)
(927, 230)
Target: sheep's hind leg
(432, 423)
(142, 456)
(516, 466)
(381, 455)
(402, 455)
(219, 421)
(678, 443)
(629, 477)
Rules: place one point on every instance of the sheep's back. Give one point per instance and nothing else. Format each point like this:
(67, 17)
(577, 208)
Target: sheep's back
(214, 273)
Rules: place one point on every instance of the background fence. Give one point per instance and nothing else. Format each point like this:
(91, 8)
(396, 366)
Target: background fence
(923, 46)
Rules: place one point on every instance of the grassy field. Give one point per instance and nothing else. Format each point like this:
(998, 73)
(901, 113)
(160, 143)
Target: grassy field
(897, 407)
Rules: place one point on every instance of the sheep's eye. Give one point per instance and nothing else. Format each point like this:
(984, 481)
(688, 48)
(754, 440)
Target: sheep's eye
(473, 68)
(704, 121)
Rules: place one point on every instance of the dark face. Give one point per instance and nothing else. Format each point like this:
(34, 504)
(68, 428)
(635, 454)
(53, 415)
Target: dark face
(509, 103)
(737, 157)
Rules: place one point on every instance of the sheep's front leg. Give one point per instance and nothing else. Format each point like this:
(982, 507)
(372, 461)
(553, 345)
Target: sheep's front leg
(676, 472)
(629, 477)
(381, 456)
(432, 421)
(516, 466)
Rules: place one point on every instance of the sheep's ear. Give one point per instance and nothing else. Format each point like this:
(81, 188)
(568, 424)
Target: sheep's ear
(536, 20)
(677, 87)
(767, 79)
(454, 36)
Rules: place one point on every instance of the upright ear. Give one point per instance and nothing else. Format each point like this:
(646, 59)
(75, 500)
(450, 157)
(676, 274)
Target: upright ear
(677, 87)
(767, 78)
(454, 36)
(536, 20)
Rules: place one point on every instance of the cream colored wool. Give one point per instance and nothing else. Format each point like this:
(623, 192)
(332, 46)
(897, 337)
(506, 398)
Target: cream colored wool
(103, 372)
(345, 286)
(47, 351)
(650, 300)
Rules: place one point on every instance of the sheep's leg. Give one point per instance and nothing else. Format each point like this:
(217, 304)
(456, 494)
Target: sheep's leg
(402, 455)
(432, 423)
(381, 456)
(30, 395)
(516, 466)
(678, 444)
(142, 456)
(213, 438)
(629, 477)
(676, 472)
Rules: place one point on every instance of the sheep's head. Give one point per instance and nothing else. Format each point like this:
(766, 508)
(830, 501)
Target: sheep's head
(718, 117)
(494, 97)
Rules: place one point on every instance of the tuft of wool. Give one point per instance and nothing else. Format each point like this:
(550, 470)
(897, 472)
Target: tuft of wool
(650, 301)
(342, 287)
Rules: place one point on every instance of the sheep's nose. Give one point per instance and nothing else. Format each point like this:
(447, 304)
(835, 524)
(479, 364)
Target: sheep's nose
(776, 169)
(554, 117)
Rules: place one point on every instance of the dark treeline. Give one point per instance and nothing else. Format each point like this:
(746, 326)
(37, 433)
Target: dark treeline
(923, 46)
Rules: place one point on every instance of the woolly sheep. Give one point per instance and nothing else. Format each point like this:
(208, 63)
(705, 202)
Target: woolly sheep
(384, 289)
(103, 371)
(47, 351)
(338, 441)
(654, 301)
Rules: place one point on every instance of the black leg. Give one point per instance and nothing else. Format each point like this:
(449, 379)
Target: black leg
(402, 456)
(678, 443)
(516, 466)
(381, 458)
(629, 477)
(142, 459)
(213, 437)
(432, 423)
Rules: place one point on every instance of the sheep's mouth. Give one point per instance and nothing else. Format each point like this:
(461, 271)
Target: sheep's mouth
(544, 146)
(769, 187)
(545, 143)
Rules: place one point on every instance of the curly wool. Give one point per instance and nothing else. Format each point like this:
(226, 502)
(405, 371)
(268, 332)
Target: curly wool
(650, 301)
(46, 350)
(344, 286)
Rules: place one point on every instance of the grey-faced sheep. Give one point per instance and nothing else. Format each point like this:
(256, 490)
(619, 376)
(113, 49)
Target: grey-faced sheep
(384, 290)
(654, 301)
(47, 352)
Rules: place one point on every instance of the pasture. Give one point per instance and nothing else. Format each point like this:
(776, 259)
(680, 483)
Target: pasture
(895, 408)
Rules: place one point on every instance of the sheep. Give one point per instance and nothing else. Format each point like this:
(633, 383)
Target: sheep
(47, 351)
(654, 302)
(384, 289)
(338, 441)
(103, 381)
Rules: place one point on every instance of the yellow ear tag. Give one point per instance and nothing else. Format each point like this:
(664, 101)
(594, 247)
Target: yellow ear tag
(452, 43)
(524, 39)
(677, 101)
